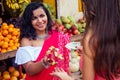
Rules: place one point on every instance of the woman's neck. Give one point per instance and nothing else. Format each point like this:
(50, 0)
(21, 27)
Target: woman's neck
(42, 35)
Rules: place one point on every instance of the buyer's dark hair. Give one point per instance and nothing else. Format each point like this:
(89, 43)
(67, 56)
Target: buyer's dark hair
(103, 18)
(27, 29)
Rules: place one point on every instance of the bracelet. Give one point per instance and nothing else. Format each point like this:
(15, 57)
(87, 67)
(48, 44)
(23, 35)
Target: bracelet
(44, 64)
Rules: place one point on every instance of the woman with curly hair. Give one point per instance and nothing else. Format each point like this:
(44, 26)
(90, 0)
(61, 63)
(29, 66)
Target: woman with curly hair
(36, 37)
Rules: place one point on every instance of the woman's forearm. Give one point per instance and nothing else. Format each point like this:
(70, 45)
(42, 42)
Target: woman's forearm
(33, 68)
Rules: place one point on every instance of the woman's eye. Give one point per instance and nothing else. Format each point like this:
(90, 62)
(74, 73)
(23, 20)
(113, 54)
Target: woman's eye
(33, 18)
(42, 15)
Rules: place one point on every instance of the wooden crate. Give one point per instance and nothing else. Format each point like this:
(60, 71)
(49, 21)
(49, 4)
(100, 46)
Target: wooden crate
(7, 55)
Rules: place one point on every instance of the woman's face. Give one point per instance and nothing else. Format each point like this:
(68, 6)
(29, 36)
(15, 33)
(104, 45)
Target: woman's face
(39, 20)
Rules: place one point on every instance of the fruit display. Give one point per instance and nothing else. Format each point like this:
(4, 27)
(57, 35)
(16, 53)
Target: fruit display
(74, 55)
(9, 37)
(69, 25)
(74, 61)
(53, 55)
(11, 74)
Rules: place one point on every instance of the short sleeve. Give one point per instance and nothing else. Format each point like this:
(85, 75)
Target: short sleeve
(23, 55)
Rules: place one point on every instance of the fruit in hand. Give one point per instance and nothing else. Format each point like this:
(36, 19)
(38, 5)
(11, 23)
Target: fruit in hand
(53, 55)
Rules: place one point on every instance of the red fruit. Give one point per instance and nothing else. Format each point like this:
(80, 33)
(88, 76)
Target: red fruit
(64, 30)
(69, 30)
(74, 27)
(75, 32)
(61, 27)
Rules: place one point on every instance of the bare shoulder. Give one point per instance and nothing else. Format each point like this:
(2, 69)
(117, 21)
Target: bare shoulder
(88, 60)
(25, 42)
(87, 48)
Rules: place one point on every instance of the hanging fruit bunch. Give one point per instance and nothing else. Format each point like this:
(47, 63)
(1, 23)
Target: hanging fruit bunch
(16, 4)
(15, 7)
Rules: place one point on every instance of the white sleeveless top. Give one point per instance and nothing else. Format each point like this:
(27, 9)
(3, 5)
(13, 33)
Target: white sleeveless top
(27, 53)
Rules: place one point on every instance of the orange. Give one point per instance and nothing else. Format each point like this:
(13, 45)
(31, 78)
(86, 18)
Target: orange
(17, 29)
(11, 69)
(10, 29)
(11, 26)
(18, 36)
(13, 78)
(4, 27)
(3, 50)
(6, 39)
(15, 73)
(5, 45)
(4, 24)
(17, 45)
(1, 43)
(6, 76)
(15, 33)
(9, 36)
(16, 40)
(14, 37)
(5, 72)
(1, 37)
(9, 49)
(0, 34)
(10, 41)
(10, 44)
(13, 47)
(4, 32)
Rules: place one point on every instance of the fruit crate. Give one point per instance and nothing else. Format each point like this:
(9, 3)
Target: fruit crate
(7, 55)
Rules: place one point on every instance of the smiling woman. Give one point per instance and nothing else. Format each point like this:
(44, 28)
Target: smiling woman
(36, 37)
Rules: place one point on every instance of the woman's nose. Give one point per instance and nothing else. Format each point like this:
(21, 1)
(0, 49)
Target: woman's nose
(39, 19)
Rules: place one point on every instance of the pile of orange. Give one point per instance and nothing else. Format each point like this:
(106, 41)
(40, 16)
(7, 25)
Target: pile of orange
(9, 37)
(11, 74)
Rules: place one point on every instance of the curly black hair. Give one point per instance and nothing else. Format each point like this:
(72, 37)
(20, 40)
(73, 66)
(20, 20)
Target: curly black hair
(27, 29)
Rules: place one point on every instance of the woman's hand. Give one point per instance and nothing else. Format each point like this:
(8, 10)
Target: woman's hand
(45, 62)
(59, 72)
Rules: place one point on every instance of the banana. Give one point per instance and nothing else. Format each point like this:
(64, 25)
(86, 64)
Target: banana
(13, 6)
(16, 6)
(27, 1)
(20, 1)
